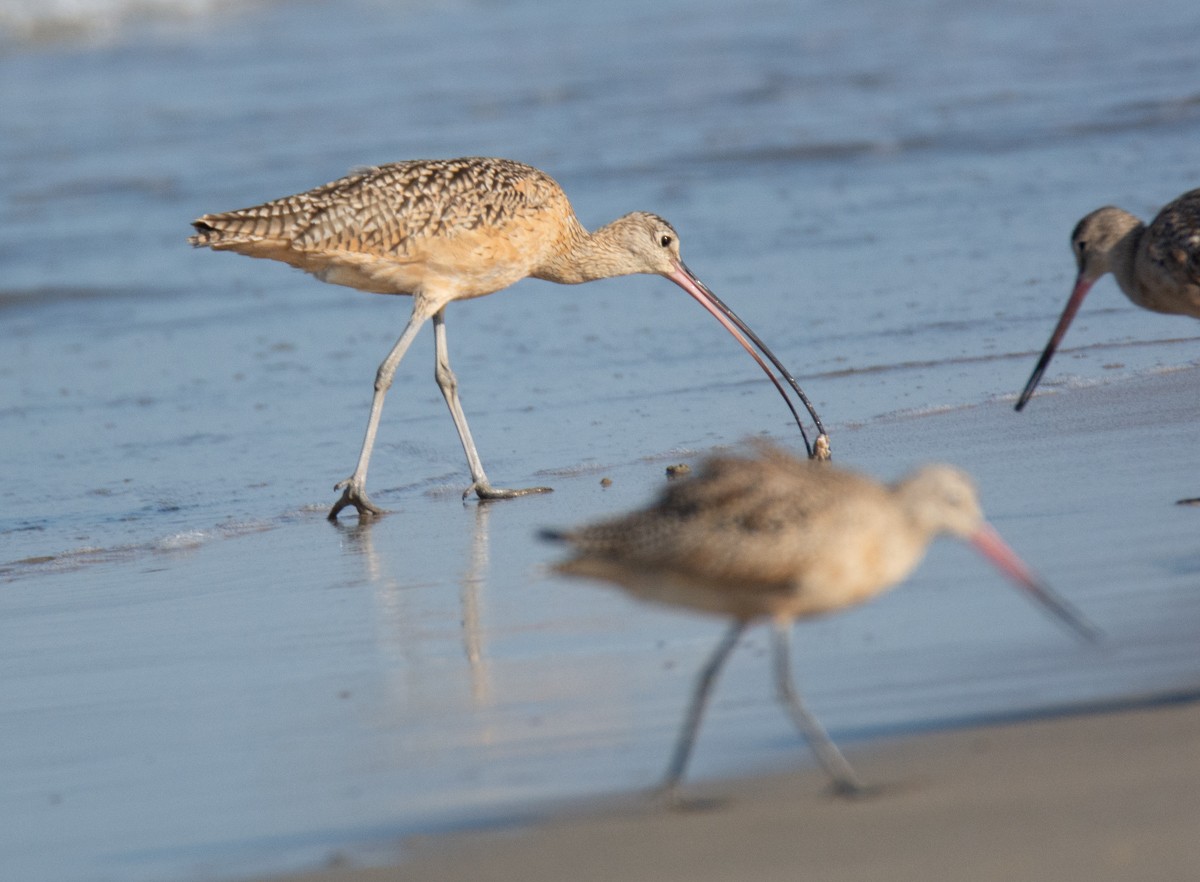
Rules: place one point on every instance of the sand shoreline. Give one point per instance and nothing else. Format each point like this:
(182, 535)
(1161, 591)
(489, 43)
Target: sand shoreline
(1112, 794)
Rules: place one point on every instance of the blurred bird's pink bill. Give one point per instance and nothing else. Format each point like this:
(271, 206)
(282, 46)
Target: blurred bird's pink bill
(991, 545)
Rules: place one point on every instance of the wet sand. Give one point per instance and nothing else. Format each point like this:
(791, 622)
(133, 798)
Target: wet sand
(1112, 795)
(1109, 790)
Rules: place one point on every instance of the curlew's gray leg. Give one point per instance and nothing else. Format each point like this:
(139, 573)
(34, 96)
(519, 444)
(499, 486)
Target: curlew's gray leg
(448, 383)
(354, 492)
(691, 723)
(845, 782)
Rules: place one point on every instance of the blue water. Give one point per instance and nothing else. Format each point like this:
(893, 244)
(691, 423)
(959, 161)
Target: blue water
(204, 680)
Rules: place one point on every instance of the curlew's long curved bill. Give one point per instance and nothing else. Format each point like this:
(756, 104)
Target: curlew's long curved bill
(685, 279)
(1082, 286)
(989, 543)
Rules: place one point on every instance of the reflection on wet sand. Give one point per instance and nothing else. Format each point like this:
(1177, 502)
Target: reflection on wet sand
(472, 585)
(397, 631)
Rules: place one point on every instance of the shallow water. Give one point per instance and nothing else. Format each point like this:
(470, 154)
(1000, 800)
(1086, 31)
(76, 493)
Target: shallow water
(203, 679)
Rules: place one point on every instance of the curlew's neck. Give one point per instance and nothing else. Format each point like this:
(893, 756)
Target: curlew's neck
(584, 257)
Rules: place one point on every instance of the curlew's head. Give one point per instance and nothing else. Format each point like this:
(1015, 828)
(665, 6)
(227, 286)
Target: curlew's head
(645, 242)
(1102, 242)
(639, 242)
(942, 499)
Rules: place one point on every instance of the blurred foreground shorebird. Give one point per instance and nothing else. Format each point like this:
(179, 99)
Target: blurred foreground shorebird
(1157, 266)
(772, 536)
(446, 230)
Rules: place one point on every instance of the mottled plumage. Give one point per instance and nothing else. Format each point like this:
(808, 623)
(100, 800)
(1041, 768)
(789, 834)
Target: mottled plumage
(1167, 269)
(452, 229)
(389, 229)
(1156, 266)
(772, 536)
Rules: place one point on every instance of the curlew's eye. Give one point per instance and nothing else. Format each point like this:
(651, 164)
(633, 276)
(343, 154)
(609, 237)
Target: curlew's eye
(665, 241)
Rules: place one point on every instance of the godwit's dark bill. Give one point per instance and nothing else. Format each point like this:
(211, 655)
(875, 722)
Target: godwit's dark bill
(1082, 286)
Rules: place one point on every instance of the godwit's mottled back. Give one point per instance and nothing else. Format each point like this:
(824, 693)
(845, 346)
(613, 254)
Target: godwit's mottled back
(445, 230)
(1157, 266)
(771, 536)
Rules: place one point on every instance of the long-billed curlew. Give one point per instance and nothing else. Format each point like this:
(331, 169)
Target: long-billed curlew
(1157, 266)
(771, 536)
(453, 229)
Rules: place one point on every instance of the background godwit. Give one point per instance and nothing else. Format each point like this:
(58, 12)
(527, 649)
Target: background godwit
(1157, 266)
(771, 536)
(446, 230)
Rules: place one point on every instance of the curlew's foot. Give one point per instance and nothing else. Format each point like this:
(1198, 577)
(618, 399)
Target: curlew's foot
(486, 491)
(354, 494)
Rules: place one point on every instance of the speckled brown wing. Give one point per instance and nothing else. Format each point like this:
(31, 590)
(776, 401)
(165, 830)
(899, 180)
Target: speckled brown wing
(1173, 239)
(280, 220)
(382, 210)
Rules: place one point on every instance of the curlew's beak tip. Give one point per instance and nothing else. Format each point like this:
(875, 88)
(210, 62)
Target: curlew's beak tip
(686, 279)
